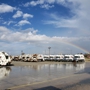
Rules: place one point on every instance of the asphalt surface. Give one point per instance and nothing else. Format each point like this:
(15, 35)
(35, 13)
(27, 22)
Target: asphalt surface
(45, 76)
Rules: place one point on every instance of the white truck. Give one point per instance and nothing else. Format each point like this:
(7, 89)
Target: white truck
(68, 57)
(5, 59)
(79, 57)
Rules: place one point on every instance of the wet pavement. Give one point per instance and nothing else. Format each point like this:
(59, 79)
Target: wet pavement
(14, 76)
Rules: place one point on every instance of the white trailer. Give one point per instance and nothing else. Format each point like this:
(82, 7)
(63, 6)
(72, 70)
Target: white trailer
(79, 57)
(46, 57)
(4, 59)
(27, 57)
(40, 57)
(37, 57)
(34, 58)
(59, 57)
(52, 57)
(23, 57)
(16, 58)
(68, 58)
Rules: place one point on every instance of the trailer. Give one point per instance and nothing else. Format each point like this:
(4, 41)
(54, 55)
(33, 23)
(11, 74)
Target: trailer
(16, 58)
(26, 57)
(40, 57)
(68, 57)
(52, 57)
(29, 56)
(59, 57)
(5, 59)
(23, 57)
(79, 57)
(46, 57)
(34, 58)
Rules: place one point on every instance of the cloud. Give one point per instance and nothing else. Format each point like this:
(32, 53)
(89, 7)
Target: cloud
(79, 20)
(26, 35)
(39, 2)
(3, 29)
(18, 14)
(8, 23)
(28, 38)
(26, 15)
(21, 14)
(61, 22)
(34, 3)
(6, 8)
(23, 22)
(30, 34)
(50, 1)
(42, 3)
(47, 6)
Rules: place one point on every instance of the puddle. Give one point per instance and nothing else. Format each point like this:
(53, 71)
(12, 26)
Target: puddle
(4, 72)
(17, 75)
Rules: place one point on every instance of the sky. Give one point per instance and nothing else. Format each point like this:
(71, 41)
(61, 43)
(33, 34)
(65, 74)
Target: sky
(31, 26)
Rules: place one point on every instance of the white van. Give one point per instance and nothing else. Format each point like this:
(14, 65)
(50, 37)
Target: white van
(4, 59)
(79, 57)
(68, 57)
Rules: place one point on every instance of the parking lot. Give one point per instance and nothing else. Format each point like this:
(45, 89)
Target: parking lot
(45, 76)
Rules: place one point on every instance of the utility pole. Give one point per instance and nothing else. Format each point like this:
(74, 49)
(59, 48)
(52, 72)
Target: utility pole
(49, 51)
(22, 53)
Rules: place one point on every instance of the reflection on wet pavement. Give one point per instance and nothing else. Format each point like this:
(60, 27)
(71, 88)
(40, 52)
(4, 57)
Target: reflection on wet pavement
(4, 72)
(36, 73)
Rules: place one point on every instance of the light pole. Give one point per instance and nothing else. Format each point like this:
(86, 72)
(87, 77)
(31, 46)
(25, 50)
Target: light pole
(49, 51)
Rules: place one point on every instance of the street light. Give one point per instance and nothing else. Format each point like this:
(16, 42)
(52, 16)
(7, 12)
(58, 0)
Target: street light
(49, 51)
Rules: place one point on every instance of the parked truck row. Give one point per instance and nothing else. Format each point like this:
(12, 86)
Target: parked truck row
(6, 59)
(41, 57)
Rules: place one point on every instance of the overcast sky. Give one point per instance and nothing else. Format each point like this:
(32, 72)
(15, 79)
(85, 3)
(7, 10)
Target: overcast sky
(32, 26)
